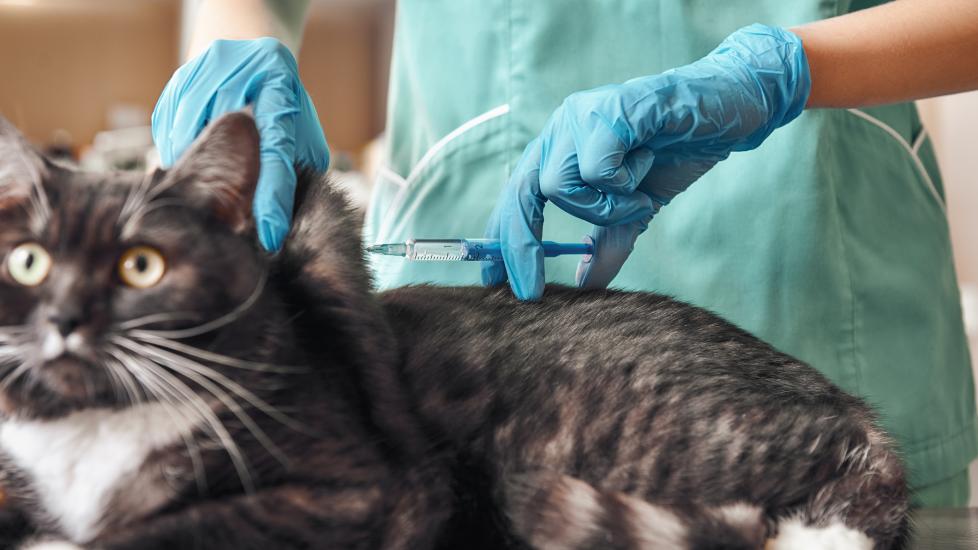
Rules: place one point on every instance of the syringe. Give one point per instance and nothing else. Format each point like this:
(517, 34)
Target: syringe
(468, 250)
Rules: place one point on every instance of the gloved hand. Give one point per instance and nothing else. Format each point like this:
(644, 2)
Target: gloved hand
(614, 155)
(228, 76)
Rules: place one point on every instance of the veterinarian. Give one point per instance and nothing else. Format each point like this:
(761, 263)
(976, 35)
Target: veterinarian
(825, 234)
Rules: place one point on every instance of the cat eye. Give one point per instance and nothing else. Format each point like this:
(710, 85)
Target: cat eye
(29, 264)
(141, 267)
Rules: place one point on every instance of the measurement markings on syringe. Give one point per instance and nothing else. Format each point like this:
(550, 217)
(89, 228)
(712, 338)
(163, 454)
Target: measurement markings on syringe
(434, 257)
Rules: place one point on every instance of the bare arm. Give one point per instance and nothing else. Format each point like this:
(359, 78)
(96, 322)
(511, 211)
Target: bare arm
(903, 50)
(244, 19)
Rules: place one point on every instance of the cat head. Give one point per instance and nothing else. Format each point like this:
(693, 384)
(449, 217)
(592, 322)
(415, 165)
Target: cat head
(108, 280)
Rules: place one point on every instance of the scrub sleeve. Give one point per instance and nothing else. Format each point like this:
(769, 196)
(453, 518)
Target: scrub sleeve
(830, 240)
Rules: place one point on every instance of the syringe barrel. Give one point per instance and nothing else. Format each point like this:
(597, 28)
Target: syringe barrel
(489, 249)
(482, 250)
(435, 250)
(478, 250)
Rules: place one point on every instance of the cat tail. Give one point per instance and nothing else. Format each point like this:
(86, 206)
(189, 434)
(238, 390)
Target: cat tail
(551, 511)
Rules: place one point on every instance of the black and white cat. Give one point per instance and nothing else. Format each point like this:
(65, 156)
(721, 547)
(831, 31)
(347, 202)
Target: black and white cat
(164, 383)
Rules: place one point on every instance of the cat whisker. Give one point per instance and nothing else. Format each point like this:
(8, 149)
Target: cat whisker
(9, 349)
(206, 378)
(34, 211)
(13, 375)
(13, 331)
(118, 388)
(39, 199)
(205, 355)
(161, 188)
(8, 360)
(134, 198)
(12, 357)
(190, 443)
(221, 321)
(212, 382)
(128, 380)
(226, 382)
(155, 318)
(129, 227)
(151, 374)
(38, 208)
(38, 215)
(136, 207)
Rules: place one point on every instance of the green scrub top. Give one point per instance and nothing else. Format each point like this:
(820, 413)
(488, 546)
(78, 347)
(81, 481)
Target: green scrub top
(830, 240)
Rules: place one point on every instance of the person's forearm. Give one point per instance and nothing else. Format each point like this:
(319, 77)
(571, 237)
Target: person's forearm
(903, 50)
(245, 19)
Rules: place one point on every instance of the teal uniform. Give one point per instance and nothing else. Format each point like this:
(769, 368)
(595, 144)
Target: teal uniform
(829, 241)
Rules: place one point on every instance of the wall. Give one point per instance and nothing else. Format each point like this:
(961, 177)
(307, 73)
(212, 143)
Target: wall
(343, 61)
(66, 62)
(952, 122)
(338, 61)
(64, 66)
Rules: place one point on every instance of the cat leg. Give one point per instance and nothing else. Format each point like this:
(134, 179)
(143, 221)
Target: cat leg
(291, 517)
(551, 511)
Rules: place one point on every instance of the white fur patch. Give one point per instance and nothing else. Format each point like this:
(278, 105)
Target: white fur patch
(654, 526)
(795, 535)
(50, 545)
(739, 513)
(75, 342)
(53, 344)
(579, 503)
(77, 462)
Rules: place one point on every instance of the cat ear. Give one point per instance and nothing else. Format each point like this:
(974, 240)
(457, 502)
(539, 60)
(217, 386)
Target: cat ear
(220, 169)
(21, 167)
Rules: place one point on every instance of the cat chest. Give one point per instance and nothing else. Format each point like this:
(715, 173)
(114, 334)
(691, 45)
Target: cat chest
(77, 464)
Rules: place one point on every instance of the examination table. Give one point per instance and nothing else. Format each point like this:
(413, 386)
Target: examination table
(946, 529)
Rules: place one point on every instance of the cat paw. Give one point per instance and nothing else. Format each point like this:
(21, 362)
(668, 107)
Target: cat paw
(793, 534)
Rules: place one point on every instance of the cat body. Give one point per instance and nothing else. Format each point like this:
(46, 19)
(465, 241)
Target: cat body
(668, 402)
(246, 400)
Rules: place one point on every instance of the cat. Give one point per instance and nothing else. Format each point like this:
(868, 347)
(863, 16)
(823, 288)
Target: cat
(165, 383)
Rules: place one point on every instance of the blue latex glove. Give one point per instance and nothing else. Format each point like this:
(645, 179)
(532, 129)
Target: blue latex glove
(228, 76)
(614, 155)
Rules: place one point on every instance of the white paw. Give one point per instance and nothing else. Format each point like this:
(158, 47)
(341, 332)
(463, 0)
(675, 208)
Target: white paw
(50, 545)
(795, 535)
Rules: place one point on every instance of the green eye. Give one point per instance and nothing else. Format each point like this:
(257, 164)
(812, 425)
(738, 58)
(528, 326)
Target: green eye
(29, 264)
(141, 267)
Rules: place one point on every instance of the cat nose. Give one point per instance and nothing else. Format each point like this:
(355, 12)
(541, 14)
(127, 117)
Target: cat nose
(65, 322)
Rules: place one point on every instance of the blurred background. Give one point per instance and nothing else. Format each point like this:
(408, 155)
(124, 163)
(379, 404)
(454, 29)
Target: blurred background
(80, 79)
